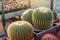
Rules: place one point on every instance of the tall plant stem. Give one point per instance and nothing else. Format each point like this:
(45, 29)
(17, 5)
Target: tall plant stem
(3, 18)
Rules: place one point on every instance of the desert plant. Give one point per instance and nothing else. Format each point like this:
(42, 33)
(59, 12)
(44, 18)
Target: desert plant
(49, 37)
(42, 18)
(55, 15)
(27, 15)
(20, 30)
(58, 35)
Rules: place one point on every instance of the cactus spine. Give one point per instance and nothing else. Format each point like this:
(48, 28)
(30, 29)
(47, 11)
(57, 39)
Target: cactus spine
(42, 18)
(20, 30)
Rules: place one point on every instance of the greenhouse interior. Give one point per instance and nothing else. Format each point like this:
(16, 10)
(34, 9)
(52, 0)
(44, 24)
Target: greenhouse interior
(39, 17)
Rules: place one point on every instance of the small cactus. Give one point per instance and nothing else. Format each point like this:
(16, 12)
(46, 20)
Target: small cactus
(20, 30)
(58, 35)
(49, 37)
(42, 18)
(55, 15)
(27, 15)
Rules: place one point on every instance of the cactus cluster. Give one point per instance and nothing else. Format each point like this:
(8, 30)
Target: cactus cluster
(49, 37)
(27, 15)
(42, 18)
(20, 30)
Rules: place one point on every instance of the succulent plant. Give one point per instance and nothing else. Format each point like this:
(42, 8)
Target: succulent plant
(58, 35)
(20, 30)
(55, 15)
(49, 37)
(42, 18)
(27, 15)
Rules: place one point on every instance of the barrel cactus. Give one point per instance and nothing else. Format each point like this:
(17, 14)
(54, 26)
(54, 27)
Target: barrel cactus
(20, 30)
(42, 18)
(49, 37)
(27, 15)
(55, 15)
(58, 35)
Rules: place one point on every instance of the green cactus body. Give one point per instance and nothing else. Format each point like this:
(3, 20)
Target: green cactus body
(20, 30)
(55, 15)
(42, 18)
(49, 37)
(27, 15)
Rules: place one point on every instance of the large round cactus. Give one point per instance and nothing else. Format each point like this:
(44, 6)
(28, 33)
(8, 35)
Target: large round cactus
(42, 18)
(20, 30)
(49, 37)
(27, 15)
